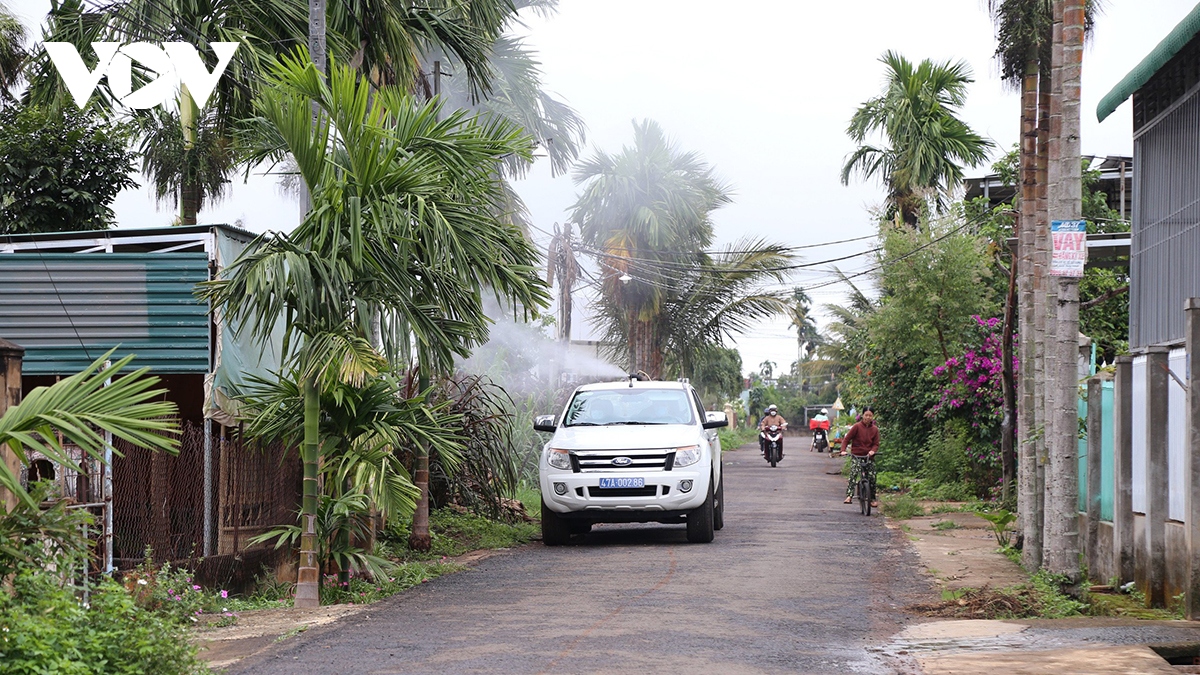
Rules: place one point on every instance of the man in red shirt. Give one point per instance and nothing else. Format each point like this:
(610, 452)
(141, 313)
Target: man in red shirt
(862, 441)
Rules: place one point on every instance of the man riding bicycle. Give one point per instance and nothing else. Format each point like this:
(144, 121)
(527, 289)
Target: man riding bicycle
(862, 441)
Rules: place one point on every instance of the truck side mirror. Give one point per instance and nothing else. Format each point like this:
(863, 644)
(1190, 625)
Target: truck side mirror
(544, 423)
(712, 420)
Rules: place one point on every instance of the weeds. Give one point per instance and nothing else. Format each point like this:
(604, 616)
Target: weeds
(945, 525)
(901, 507)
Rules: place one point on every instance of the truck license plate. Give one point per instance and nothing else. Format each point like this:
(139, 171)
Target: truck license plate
(611, 483)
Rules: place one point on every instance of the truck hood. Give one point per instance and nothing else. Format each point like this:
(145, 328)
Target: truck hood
(625, 437)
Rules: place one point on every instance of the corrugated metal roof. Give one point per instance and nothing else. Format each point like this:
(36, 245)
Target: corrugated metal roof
(67, 309)
(1176, 40)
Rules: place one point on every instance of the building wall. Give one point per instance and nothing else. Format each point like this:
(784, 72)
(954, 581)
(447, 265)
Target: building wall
(1165, 260)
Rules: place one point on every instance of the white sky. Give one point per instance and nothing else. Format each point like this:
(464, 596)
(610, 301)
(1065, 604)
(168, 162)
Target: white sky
(764, 96)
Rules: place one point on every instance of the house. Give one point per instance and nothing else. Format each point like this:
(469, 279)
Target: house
(1153, 537)
(1116, 178)
(67, 298)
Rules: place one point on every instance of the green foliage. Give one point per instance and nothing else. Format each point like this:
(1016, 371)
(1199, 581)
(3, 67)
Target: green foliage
(732, 439)
(717, 373)
(60, 169)
(454, 533)
(39, 538)
(341, 521)
(44, 628)
(1000, 521)
(925, 142)
(358, 591)
(1107, 322)
(1052, 603)
(901, 507)
(945, 460)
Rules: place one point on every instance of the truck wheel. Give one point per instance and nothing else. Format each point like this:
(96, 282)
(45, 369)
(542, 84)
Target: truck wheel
(579, 526)
(719, 507)
(554, 528)
(700, 520)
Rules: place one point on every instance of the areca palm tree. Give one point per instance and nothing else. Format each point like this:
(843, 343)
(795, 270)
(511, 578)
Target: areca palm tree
(640, 212)
(401, 237)
(925, 143)
(76, 409)
(562, 267)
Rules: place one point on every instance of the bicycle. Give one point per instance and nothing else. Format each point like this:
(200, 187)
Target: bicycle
(862, 489)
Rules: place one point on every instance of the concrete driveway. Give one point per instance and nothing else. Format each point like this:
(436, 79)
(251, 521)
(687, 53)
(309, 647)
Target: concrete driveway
(796, 582)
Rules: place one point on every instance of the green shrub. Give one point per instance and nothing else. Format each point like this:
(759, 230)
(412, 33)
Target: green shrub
(45, 629)
(454, 533)
(945, 459)
(732, 439)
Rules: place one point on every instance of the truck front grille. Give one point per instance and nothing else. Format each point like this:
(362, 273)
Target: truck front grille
(641, 460)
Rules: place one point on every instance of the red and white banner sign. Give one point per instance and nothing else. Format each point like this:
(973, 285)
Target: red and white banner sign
(1070, 248)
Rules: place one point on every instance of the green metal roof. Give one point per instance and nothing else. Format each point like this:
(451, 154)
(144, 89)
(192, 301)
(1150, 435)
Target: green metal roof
(66, 309)
(1176, 40)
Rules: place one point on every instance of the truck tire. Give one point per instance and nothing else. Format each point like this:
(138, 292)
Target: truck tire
(700, 520)
(719, 506)
(579, 526)
(555, 531)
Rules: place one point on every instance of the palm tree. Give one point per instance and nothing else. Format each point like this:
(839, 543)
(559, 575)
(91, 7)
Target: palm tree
(12, 52)
(808, 338)
(562, 267)
(926, 144)
(641, 212)
(401, 237)
(1024, 37)
(72, 410)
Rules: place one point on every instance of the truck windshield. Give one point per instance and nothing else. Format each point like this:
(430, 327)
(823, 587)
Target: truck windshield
(628, 406)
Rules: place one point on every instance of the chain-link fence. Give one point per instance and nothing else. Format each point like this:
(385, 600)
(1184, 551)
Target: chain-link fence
(206, 502)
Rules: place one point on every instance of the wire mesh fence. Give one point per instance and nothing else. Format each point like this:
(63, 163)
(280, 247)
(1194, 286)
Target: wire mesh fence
(206, 502)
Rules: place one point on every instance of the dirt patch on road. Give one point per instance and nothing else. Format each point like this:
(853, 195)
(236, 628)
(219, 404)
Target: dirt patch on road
(959, 551)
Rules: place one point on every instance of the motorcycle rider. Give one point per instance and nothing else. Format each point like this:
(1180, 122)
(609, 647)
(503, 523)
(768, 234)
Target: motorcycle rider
(772, 418)
(863, 442)
(820, 428)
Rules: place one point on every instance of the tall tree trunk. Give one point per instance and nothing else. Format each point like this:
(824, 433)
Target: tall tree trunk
(1041, 306)
(308, 578)
(1028, 499)
(418, 538)
(190, 193)
(1008, 460)
(1062, 542)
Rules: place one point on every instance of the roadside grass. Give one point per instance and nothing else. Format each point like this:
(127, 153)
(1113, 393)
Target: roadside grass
(452, 532)
(900, 507)
(1041, 598)
(945, 525)
(732, 439)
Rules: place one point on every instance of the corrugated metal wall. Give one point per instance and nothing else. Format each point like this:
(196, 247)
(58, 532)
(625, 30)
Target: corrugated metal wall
(1165, 265)
(67, 309)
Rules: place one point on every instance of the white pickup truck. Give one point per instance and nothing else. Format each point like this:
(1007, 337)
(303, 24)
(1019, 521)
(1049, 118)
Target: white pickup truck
(632, 452)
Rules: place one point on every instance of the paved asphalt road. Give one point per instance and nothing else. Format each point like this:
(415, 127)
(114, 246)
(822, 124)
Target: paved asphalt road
(797, 582)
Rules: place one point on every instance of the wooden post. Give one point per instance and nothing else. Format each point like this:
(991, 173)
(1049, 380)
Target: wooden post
(11, 356)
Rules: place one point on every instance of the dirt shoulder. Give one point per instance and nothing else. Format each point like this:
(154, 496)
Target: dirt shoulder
(959, 551)
(257, 630)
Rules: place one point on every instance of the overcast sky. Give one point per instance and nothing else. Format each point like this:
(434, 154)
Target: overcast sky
(763, 91)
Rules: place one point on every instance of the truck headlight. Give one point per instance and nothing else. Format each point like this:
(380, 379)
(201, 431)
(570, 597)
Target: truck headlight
(687, 455)
(559, 459)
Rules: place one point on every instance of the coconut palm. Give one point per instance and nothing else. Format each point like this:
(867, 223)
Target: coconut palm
(562, 267)
(925, 143)
(640, 212)
(12, 52)
(401, 238)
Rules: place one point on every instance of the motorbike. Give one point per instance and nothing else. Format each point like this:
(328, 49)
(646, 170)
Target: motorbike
(772, 438)
(820, 440)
